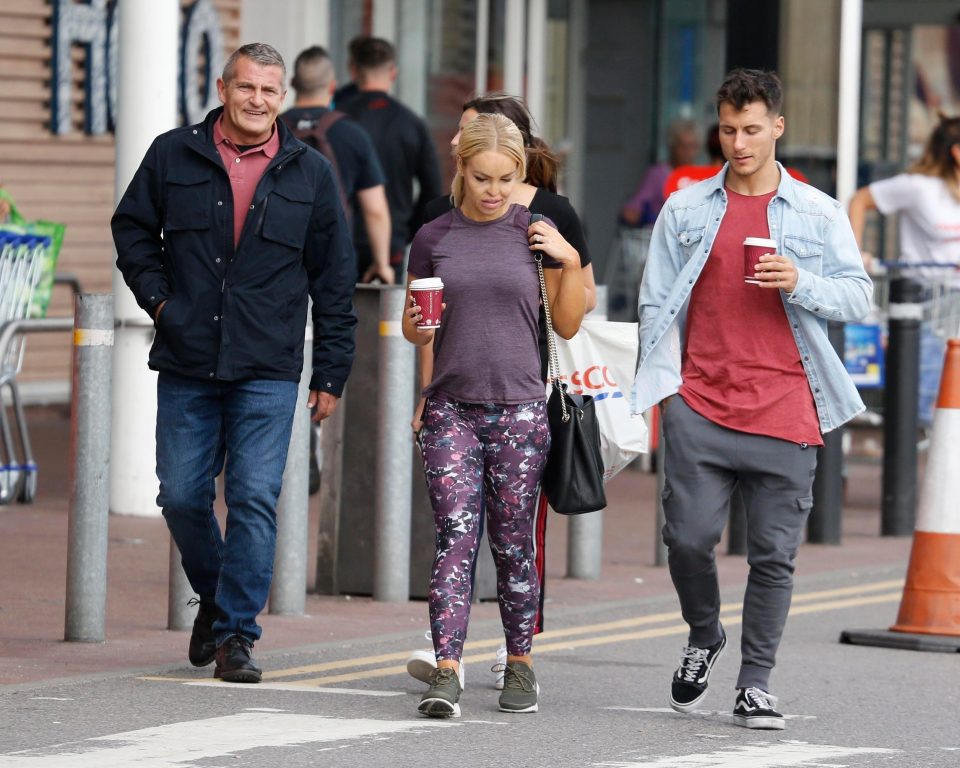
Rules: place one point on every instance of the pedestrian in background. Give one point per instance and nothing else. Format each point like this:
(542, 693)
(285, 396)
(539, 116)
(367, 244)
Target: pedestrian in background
(746, 379)
(403, 144)
(683, 146)
(349, 90)
(356, 166)
(226, 228)
(485, 434)
(537, 192)
(927, 197)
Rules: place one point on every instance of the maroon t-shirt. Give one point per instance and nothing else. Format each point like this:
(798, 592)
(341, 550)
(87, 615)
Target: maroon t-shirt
(741, 368)
(485, 350)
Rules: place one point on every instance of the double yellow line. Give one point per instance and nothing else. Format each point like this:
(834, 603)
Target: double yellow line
(583, 636)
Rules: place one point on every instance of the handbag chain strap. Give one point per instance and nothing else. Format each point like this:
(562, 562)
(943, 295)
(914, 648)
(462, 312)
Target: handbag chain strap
(553, 363)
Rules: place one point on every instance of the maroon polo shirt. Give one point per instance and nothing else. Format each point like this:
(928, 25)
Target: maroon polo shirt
(245, 170)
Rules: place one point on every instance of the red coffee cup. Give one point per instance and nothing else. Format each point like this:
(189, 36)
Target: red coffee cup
(427, 293)
(753, 249)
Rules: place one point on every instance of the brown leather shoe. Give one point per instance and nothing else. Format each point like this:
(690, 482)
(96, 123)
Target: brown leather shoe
(234, 662)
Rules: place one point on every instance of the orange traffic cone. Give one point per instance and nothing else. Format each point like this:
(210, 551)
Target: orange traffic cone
(931, 596)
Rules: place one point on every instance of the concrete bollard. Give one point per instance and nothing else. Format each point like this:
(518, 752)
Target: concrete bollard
(395, 390)
(86, 599)
(180, 614)
(288, 592)
(584, 545)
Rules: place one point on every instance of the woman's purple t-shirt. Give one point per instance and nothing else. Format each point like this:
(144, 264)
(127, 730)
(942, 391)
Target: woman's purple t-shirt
(485, 350)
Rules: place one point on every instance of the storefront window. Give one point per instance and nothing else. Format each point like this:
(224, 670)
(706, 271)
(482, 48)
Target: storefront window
(691, 63)
(450, 51)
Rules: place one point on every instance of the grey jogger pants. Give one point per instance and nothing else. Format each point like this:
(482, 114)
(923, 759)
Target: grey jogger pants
(702, 464)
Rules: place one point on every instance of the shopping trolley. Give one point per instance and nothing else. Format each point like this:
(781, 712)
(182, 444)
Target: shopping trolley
(22, 258)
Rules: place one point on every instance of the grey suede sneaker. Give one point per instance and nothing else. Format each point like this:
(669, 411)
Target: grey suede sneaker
(520, 689)
(443, 696)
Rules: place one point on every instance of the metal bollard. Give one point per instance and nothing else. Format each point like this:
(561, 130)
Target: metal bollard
(328, 537)
(180, 614)
(585, 532)
(584, 545)
(288, 592)
(395, 390)
(900, 403)
(86, 601)
(825, 525)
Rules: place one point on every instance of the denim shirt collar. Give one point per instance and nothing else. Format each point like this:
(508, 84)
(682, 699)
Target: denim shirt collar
(788, 189)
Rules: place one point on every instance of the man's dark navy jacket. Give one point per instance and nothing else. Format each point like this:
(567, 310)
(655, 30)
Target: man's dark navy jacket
(239, 313)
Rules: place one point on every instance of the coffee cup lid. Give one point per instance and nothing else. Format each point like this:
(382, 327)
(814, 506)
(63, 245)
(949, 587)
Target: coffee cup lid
(763, 242)
(425, 283)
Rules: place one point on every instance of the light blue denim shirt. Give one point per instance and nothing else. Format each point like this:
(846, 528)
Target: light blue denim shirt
(813, 230)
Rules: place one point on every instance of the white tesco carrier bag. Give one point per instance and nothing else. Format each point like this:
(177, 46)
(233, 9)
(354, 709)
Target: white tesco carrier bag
(600, 361)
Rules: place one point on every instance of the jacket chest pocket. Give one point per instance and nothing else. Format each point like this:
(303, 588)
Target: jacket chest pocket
(806, 253)
(287, 216)
(689, 240)
(188, 202)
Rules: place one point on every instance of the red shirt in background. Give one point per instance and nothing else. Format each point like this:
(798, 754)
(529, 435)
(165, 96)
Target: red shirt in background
(245, 170)
(741, 368)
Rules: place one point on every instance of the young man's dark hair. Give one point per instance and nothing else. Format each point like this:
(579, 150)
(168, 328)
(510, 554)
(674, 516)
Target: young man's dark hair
(745, 86)
(373, 53)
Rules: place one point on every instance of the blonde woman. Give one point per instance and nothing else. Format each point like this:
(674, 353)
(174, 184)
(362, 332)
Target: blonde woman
(485, 435)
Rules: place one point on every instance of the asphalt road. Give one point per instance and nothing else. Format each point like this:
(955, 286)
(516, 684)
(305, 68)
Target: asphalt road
(604, 673)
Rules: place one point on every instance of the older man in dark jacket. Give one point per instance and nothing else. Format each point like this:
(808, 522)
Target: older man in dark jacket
(226, 228)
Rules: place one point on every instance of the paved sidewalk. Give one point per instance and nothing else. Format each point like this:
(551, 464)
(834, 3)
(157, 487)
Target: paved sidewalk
(33, 547)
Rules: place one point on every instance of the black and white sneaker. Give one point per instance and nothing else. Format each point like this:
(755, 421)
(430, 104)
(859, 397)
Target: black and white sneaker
(757, 709)
(690, 680)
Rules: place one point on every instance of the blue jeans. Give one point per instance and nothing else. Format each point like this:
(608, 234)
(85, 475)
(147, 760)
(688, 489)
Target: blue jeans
(199, 425)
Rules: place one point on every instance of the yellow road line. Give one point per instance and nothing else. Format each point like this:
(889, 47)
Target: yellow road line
(599, 634)
(588, 629)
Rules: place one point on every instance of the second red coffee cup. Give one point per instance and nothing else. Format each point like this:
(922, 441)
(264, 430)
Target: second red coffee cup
(427, 293)
(753, 249)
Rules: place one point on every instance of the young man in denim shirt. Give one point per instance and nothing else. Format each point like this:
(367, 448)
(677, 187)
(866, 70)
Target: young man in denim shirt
(746, 379)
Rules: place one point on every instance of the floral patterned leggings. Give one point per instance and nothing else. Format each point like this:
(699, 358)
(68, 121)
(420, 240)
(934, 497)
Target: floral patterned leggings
(476, 456)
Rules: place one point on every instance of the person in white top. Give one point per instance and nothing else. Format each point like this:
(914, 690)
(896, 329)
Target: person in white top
(927, 198)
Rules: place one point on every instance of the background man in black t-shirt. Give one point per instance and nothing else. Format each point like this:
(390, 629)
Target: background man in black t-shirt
(357, 165)
(403, 145)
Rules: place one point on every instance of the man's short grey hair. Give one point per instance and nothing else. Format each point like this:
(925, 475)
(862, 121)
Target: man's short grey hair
(261, 53)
